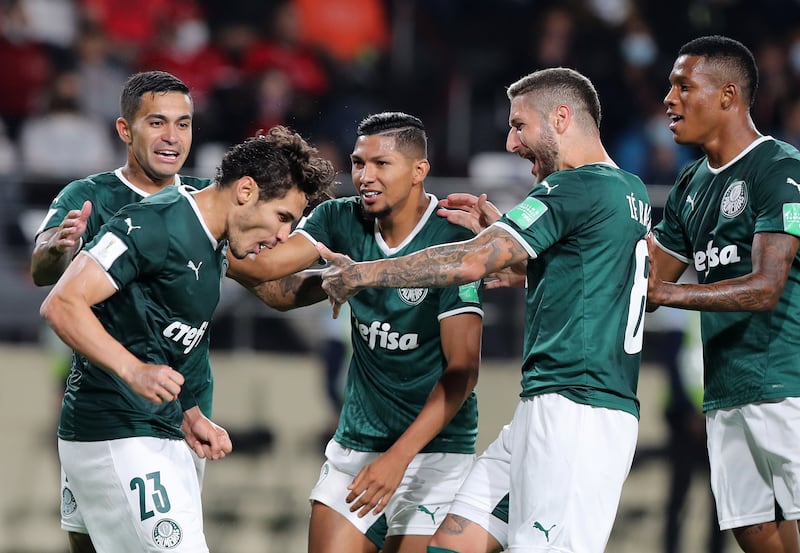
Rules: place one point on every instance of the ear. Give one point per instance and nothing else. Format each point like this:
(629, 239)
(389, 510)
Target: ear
(561, 118)
(421, 169)
(246, 190)
(123, 130)
(729, 95)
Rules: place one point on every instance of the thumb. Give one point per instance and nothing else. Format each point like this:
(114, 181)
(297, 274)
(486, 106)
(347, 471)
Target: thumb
(86, 210)
(324, 252)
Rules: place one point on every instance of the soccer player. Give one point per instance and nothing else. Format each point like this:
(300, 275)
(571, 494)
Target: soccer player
(155, 123)
(581, 231)
(408, 424)
(135, 306)
(735, 215)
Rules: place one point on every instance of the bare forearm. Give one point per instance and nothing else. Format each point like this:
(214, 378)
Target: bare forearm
(80, 329)
(749, 293)
(445, 400)
(444, 265)
(297, 290)
(49, 263)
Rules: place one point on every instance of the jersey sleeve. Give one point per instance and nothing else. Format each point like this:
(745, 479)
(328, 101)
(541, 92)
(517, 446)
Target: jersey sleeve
(317, 226)
(552, 210)
(669, 231)
(131, 243)
(777, 198)
(71, 197)
(457, 300)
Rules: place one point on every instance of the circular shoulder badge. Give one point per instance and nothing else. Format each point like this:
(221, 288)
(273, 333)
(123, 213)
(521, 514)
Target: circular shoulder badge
(167, 534)
(412, 296)
(734, 200)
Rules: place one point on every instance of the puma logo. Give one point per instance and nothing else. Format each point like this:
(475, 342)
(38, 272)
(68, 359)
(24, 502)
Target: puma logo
(690, 201)
(195, 268)
(424, 509)
(131, 226)
(790, 180)
(546, 532)
(549, 188)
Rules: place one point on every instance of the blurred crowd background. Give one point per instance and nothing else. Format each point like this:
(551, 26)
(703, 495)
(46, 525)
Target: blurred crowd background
(320, 66)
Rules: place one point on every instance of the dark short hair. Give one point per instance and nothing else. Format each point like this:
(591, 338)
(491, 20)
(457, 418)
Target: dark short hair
(557, 85)
(140, 84)
(733, 58)
(409, 132)
(278, 160)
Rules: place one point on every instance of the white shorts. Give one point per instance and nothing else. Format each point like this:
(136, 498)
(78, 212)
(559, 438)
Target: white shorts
(135, 495)
(483, 497)
(567, 466)
(71, 517)
(417, 507)
(754, 452)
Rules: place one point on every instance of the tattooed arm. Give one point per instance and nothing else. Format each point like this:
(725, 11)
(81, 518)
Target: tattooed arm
(760, 290)
(434, 267)
(297, 290)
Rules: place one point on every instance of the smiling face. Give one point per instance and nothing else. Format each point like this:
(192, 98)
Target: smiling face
(694, 101)
(383, 175)
(260, 224)
(159, 137)
(532, 138)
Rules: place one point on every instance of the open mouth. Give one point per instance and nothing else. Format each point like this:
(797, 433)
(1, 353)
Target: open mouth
(369, 196)
(168, 155)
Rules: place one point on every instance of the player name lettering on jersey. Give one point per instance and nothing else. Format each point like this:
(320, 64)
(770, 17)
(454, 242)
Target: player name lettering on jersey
(379, 334)
(714, 256)
(185, 334)
(640, 210)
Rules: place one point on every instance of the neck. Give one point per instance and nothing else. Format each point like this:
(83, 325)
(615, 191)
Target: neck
(730, 141)
(585, 152)
(209, 200)
(398, 225)
(143, 181)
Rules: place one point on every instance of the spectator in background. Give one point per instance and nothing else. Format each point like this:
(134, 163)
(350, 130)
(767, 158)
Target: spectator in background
(180, 45)
(351, 31)
(790, 130)
(129, 24)
(64, 142)
(26, 68)
(773, 84)
(284, 49)
(101, 74)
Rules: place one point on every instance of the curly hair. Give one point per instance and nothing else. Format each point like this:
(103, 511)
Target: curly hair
(278, 160)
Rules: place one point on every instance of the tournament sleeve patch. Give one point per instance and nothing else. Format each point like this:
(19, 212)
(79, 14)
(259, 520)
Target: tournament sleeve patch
(526, 213)
(791, 219)
(108, 249)
(469, 292)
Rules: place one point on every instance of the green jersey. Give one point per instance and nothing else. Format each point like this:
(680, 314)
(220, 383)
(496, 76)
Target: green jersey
(709, 221)
(584, 230)
(397, 352)
(167, 267)
(109, 192)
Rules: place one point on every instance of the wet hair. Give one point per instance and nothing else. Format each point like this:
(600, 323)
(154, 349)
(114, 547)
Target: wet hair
(733, 60)
(552, 87)
(278, 160)
(140, 84)
(408, 131)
